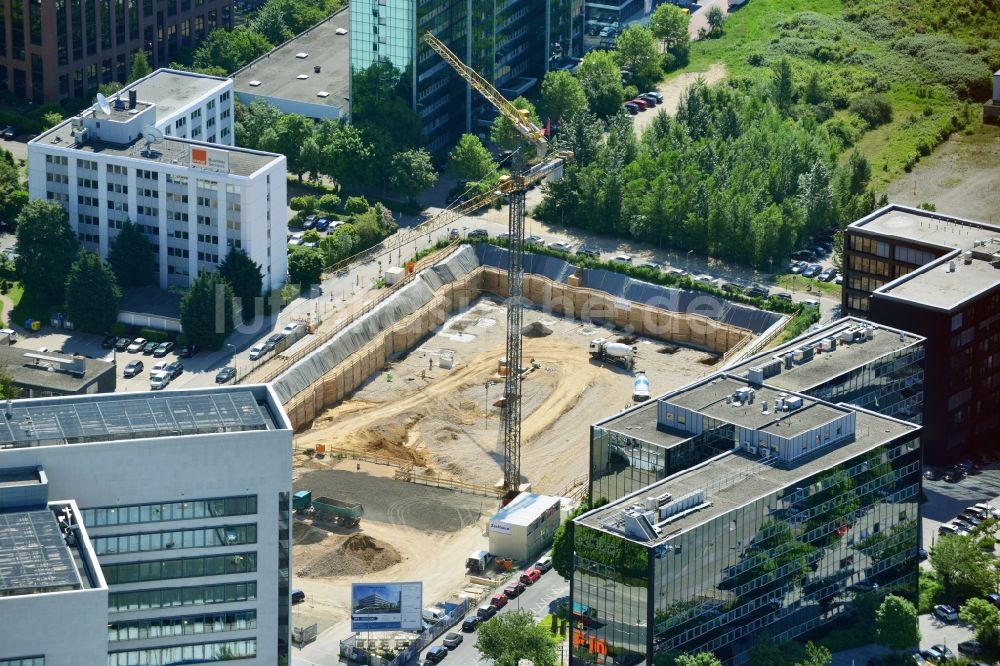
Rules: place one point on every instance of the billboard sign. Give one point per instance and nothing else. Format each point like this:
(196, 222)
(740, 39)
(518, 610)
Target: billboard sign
(386, 606)
(500, 527)
(210, 159)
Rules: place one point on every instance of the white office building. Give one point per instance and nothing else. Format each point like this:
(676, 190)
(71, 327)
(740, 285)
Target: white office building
(160, 154)
(145, 529)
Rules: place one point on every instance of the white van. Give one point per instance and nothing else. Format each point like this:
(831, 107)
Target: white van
(432, 614)
(8, 336)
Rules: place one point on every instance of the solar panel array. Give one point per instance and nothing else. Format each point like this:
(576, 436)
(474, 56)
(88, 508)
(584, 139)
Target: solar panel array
(110, 418)
(34, 557)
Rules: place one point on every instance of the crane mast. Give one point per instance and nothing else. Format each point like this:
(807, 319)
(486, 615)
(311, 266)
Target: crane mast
(516, 187)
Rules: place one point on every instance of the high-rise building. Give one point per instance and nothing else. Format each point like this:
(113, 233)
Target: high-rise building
(937, 276)
(57, 50)
(511, 44)
(145, 528)
(153, 158)
(851, 361)
(806, 505)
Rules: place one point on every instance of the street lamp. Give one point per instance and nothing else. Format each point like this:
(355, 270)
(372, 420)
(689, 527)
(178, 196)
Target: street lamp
(689, 260)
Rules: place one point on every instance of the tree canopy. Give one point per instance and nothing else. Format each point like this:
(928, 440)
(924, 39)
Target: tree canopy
(504, 134)
(965, 569)
(697, 659)
(231, 49)
(561, 96)
(896, 623)
(46, 248)
(601, 80)
(245, 277)
(140, 66)
(512, 636)
(131, 257)
(470, 160)
(985, 620)
(669, 24)
(636, 52)
(412, 172)
(207, 311)
(92, 296)
(305, 266)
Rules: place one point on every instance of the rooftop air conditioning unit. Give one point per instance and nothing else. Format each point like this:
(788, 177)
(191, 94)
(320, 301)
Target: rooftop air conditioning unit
(80, 136)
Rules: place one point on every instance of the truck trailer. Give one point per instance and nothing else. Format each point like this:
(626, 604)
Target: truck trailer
(616, 352)
(331, 510)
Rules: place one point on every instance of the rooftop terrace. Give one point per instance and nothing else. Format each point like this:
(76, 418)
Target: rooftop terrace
(121, 416)
(736, 478)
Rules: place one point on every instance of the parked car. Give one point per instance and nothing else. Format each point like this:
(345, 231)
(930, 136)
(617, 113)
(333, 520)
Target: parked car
(812, 271)
(453, 234)
(499, 600)
(534, 240)
(487, 611)
(797, 267)
(641, 103)
(994, 599)
(584, 251)
(827, 275)
(298, 596)
(176, 369)
(437, 653)
(562, 246)
(622, 259)
(122, 344)
(149, 348)
(649, 98)
(810, 303)
(258, 350)
(804, 255)
(514, 590)
(132, 369)
(944, 651)
(933, 474)
(479, 233)
(109, 342)
(971, 647)
(530, 576)
(631, 108)
(782, 295)
(309, 222)
(163, 349)
(544, 565)
(290, 327)
(187, 351)
(946, 613)
(159, 367)
(322, 224)
(932, 655)
(272, 341)
(224, 375)
(452, 641)
(137, 345)
(471, 623)
(159, 381)
(651, 265)
(758, 291)
(658, 96)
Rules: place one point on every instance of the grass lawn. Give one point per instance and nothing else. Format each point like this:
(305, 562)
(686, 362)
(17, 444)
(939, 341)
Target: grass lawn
(794, 282)
(15, 293)
(27, 306)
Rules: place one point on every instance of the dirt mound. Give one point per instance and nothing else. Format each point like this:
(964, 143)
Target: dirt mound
(536, 329)
(389, 440)
(304, 534)
(358, 555)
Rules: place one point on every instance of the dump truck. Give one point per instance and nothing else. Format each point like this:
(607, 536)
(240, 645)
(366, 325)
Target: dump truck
(301, 500)
(617, 352)
(331, 510)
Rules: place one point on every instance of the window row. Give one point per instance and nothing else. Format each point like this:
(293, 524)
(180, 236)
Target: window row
(23, 661)
(206, 537)
(869, 246)
(57, 178)
(154, 513)
(872, 266)
(187, 625)
(170, 597)
(186, 654)
(189, 567)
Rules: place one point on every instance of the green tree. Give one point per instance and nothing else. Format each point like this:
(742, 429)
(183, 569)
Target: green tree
(582, 133)
(816, 655)
(697, 659)
(305, 266)
(716, 22)
(504, 134)
(46, 248)
(965, 569)
(140, 66)
(562, 96)
(8, 390)
(469, 159)
(984, 618)
(896, 623)
(336, 246)
(207, 311)
(253, 121)
(412, 172)
(510, 637)
(669, 24)
(601, 81)
(13, 196)
(270, 22)
(765, 652)
(231, 49)
(110, 88)
(51, 119)
(782, 88)
(356, 206)
(131, 257)
(289, 138)
(345, 155)
(245, 277)
(92, 296)
(816, 197)
(636, 52)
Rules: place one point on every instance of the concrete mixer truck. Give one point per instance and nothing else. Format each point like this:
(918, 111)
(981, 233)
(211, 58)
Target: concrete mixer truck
(617, 352)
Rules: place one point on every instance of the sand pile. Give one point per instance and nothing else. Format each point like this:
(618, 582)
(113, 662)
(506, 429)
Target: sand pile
(536, 329)
(357, 555)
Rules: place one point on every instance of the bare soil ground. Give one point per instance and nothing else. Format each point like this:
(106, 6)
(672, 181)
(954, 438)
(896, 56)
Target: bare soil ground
(446, 421)
(961, 177)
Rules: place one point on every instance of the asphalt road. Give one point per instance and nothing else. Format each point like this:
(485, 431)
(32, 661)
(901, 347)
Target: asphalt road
(541, 599)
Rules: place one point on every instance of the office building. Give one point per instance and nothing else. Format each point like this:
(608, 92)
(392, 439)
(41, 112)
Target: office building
(511, 44)
(807, 504)
(153, 157)
(181, 546)
(58, 50)
(44, 374)
(851, 361)
(937, 276)
(307, 75)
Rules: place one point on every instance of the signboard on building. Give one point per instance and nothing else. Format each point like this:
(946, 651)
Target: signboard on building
(498, 526)
(210, 159)
(386, 606)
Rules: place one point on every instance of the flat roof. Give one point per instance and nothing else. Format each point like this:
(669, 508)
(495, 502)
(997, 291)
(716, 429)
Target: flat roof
(937, 286)
(34, 556)
(735, 479)
(127, 416)
(640, 423)
(277, 74)
(172, 151)
(29, 367)
(921, 226)
(172, 89)
(827, 365)
(525, 509)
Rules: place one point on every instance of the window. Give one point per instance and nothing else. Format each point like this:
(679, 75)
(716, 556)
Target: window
(186, 625)
(205, 537)
(194, 653)
(198, 595)
(154, 513)
(189, 567)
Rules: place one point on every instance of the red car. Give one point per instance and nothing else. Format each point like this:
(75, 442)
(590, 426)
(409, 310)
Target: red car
(641, 103)
(530, 576)
(513, 590)
(498, 600)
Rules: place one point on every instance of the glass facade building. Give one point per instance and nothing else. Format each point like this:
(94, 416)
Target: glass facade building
(500, 40)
